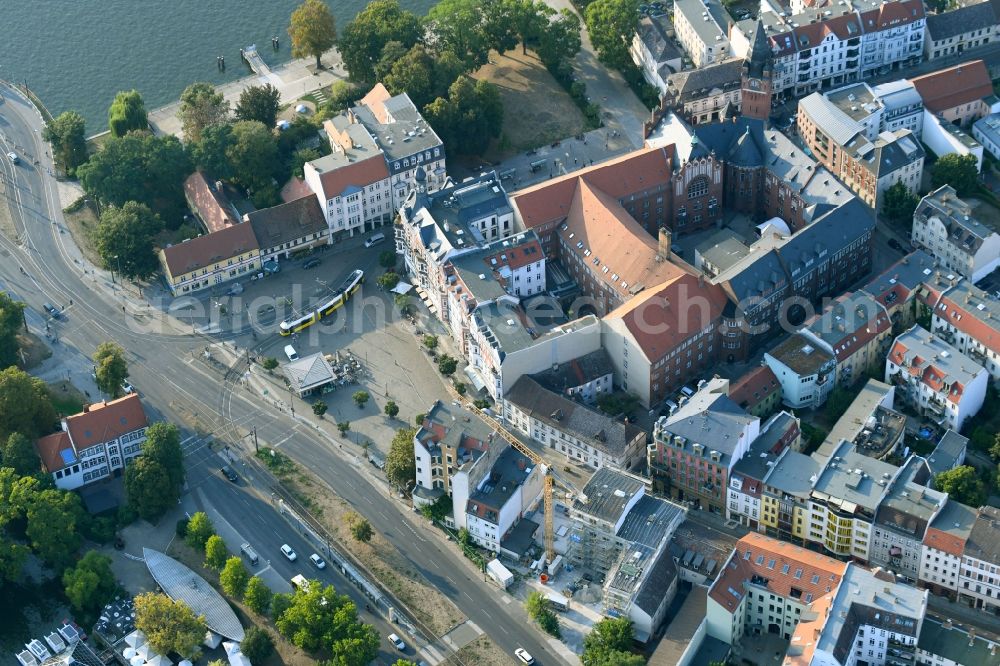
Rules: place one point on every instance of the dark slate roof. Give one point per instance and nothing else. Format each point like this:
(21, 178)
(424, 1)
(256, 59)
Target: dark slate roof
(961, 20)
(760, 52)
(577, 372)
(657, 582)
(287, 222)
(694, 84)
(746, 151)
(653, 33)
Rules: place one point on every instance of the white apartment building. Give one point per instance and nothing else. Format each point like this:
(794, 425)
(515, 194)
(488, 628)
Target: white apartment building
(807, 372)
(955, 31)
(943, 548)
(702, 28)
(500, 499)
(946, 227)
(968, 318)
(935, 379)
(979, 578)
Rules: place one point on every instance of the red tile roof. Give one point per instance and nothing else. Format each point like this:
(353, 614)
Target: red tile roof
(517, 256)
(211, 205)
(947, 88)
(892, 15)
(103, 421)
(944, 541)
(210, 249)
(375, 100)
(295, 189)
(356, 174)
(754, 387)
(49, 448)
(971, 322)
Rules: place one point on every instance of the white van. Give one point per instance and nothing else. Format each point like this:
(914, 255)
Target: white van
(375, 239)
(291, 353)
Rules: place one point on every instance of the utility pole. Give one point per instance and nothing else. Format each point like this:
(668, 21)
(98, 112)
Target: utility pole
(256, 447)
(291, 404)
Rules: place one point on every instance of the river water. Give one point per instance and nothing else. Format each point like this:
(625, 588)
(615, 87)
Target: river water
(76, 54)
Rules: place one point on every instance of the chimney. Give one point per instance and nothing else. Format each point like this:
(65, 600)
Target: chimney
(663, 251)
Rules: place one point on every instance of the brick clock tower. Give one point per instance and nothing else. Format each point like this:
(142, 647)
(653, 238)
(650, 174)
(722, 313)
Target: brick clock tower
(758, 69)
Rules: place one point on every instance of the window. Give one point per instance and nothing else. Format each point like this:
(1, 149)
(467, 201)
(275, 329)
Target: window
(698, 187)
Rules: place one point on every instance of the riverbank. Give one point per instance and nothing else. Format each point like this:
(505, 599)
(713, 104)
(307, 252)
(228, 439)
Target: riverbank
(294, 79)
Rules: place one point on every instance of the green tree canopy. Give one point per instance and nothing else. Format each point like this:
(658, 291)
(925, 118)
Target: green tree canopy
(16, 495)
(18, 453)
(956, 170)
(253, 154)
(400, 467)
(361, 398)
(257, 644)
(962, 485)
(559, 40)
(148, 488)
(362, 530)
(53, 519)
(257, 596)
(312, 29)
(447, 365)
(470, 117)
(611, 24)
(11, 323)
(125, 238)
(109, 357)
(342, 95)
(163, 444)
(538, 609)
(199, 529)
(209, 154)
(898, 203)
(260, 103)
(67, 134)
(170, 626)
(216, 552)
(611, 634)
(127, 113)
(201, 106)
(234, 577)
(413, 74)
(24, 405)
(391, 409)
(365, 37)
(459, 27)
(12, 558)
(91, 583)
(321, 619)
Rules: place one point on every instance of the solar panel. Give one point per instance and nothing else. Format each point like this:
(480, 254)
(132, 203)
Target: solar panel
(68, 456)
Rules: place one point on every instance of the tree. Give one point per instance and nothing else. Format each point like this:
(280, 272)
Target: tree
(313, 30)
(447, 365)
(838, 402)
(199, 529)
(260, 103)
(391, 409)
(391, 52)
(418, 420)
(962, 485)
(270, 363)
(170, 626)
(12, 558)
(470, 117)
(611, 24)
(400, 467)
(559, 41)
(209, 154)
(110, 366)
(280, 603)
(319, 408)
(431, 341)
(91, 583)
(365, 37)
(343, 94)
(388, 280)
(321, 619)
(11, 322)
(201, 106)
(387, 259)
(163, 444)
(402, 301)
(257, 644)
(343, 427)
(253, 153)
(956, 170)
(899, 204)
(148, 488)
(458, 26)
(127, 113)
(300, 157)
(609, 644)
(360, 398)
(53, 517)
(125, 238)
(538, 609)
(257, 596)
(18, 453)
(24, 405)
(216, 552)
(361, 529)
(529, 19)
(67, 134)
(994, 449)
(234, 577)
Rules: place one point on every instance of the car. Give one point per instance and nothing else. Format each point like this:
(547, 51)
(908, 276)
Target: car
(311, 263)
(127, 388)
(895, 244)
(12, 156)
(51, 309)
(287, 551)
(398, 642)
(523, 655)
(228, 472)
(317, 561)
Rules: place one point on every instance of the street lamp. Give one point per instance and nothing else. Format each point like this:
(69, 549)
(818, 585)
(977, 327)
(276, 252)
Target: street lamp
(119, 264)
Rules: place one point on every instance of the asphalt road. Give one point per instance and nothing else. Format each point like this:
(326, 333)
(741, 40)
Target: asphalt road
(162, 366)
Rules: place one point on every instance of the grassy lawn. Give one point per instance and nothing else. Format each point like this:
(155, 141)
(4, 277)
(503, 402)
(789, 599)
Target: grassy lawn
(537, 110)
(82, 223)
(66, 398)
(32, 350)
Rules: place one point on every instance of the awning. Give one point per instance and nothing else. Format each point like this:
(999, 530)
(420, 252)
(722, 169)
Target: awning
(402, 288)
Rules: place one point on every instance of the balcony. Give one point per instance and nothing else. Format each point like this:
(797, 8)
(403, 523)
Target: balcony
(935, 407)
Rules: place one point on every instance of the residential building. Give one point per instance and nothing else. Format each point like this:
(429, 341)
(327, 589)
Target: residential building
(946, 227)
(500, 500)
(749, 474)
(580, 432)
(378, 146)
(960, 94)
(844, 135)
(901, 521)
(208, 261)
(948, 454)
(869, 422)
(289, 228)
(806, 372)
(705, 94)
(209, 203)
(957, 30)
(902, 107)
(948, 644)
(967, 317)
(695, 448)
(583, 379)
(686, 632)
(935, 379)
(784, 502)
(986, 131)
(844, 500)
(758, 391)
(702, 28)
(856, 330)
(944, 137)
(98, 443)
(769, 587)
(896, 288)
(978, 577)
(654, 51)
(943, 548)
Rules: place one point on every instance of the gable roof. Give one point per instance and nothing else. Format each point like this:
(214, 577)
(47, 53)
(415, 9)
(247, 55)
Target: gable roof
(286, 222)
(754, 387)
(204, 251)
(352, 176)
(51, 450)
(103, 421)
(950, 87)
(211, 205)
(960, 20)
(309, 372)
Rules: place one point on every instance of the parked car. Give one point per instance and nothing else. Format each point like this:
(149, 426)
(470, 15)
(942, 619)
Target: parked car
(287, 551)
(127, 388)
(51, 309)
(12, 156)
(523, 656)
(311, 263)
(317, 561)
(228, 472)
(895, 244)
(398, 642)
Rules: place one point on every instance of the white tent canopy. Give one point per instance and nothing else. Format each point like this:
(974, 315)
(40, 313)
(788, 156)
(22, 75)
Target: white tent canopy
(159, 660)
(402, 288)
(185, 662)
(211, 640)
(144, 651)
(136, 661)
(135, 639)
(128, 653)
(236, 657)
